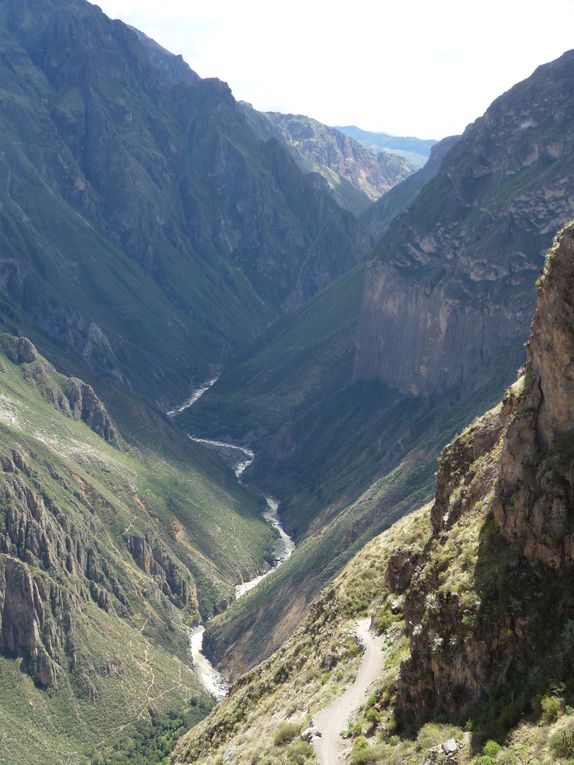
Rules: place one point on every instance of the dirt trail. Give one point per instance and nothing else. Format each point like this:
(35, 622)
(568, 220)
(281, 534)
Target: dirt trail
(332, 720)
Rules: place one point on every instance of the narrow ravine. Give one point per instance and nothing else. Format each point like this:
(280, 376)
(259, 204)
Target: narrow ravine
(333, 719)
(211, 679)
(238, 458)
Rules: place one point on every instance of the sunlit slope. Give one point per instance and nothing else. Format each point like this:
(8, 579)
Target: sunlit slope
(108, 553)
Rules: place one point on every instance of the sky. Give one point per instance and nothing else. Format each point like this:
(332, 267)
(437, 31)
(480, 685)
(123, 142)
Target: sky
(407, 67)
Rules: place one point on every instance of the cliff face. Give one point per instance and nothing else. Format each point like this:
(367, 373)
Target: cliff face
(500, 561)
(534, 500)
(451, 286)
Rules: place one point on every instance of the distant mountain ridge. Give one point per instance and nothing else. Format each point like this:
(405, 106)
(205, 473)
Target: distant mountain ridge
(416, 150)
(355, 175)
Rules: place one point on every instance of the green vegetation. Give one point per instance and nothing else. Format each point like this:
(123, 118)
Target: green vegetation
(128, 672)
(285, 733)
(150, 741)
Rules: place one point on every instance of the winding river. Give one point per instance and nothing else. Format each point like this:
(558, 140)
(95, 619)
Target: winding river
(238, 458)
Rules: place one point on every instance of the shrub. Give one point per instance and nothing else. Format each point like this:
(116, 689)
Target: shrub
(551, 708)
(285, 733)
(354, 730)
(299, 752)
(372, 716)
(361, 753)
(506, 757)
(491, 748)
(486, 759)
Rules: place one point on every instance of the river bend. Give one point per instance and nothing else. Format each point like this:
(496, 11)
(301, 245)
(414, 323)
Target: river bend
(238, 458)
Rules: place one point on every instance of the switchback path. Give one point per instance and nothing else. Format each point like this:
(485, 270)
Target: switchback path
(333, 720)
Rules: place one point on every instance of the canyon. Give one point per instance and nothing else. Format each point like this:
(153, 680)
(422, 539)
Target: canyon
(233, 346)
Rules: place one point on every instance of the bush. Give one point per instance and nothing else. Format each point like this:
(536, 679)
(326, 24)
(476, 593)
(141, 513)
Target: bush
(353, 730)
(491, 748)
(551, 708)
(362, 754)
(383, 619)
(299, 752)
(285, 733)
(506, 757)
(486, 759)
(372, 716)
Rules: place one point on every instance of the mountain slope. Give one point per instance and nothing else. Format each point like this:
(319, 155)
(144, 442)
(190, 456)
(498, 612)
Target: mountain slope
(341, 160)
(108, 554)
(473, 594)
(177, 232)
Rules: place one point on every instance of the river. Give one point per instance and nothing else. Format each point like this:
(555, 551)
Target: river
(238, 458)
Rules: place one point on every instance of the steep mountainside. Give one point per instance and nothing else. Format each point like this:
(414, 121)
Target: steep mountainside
(341, 160)
(450, 290)
(108, 554)
(473, 595)
(379, 216)
(147, 231)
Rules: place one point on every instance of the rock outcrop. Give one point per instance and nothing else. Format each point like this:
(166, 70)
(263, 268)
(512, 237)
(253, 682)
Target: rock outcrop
(86, 406)
(35, 622)
(534, 503)
(49, 566)
(70, 395)
(173, 579)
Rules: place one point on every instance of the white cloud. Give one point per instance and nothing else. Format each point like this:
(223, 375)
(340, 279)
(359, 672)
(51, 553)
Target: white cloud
(407, 67)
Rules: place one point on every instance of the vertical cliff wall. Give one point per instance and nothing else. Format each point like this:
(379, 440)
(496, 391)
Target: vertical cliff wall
(451, 287)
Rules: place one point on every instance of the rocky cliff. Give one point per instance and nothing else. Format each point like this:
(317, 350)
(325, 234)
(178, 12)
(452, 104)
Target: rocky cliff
(534, 499)
(451, 288)
(345, 164)
(489, 604)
